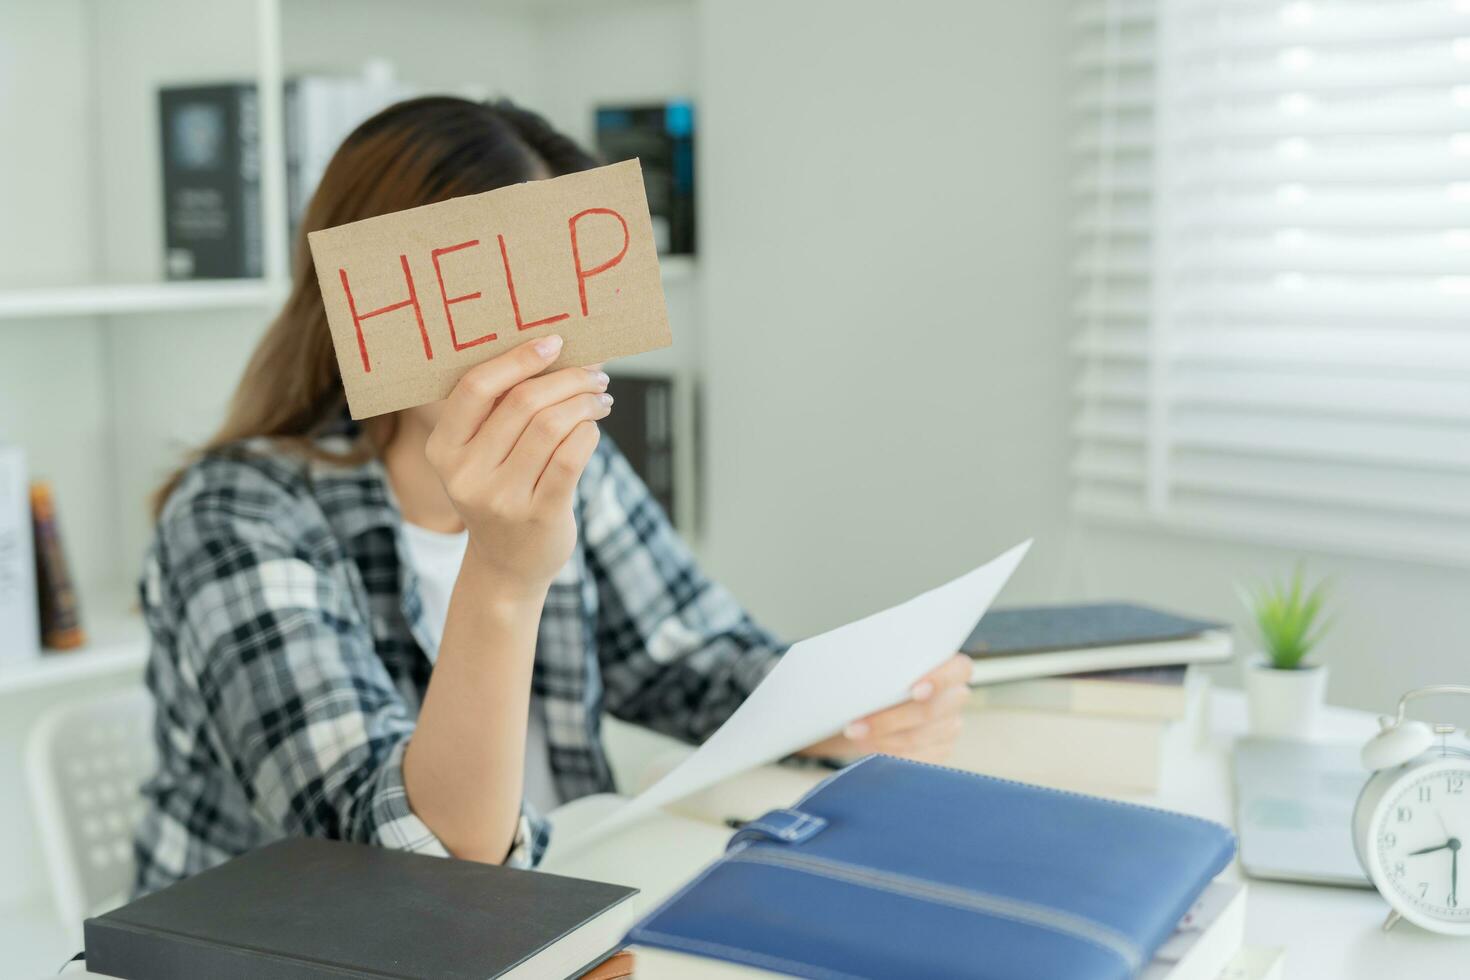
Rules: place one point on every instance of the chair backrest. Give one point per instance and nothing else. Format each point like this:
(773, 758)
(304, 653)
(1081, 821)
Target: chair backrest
(85, 761)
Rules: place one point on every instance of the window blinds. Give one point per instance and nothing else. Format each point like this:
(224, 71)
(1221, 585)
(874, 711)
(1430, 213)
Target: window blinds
(1273, 264)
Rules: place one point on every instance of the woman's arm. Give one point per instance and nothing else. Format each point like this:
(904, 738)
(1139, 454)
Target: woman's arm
(264, 634)
(263, 664)
(509, 448)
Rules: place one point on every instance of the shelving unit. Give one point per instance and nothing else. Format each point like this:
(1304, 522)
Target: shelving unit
(126, 299)
(132, 339)
(108, 373)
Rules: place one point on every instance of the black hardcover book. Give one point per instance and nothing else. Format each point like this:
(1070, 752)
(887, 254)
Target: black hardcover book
(211, 181)
(305, 909)
(1051, 641)
(643, 428)
(1042, 629)
(661, 137)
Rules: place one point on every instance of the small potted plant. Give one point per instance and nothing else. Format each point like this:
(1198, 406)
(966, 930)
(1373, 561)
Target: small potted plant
(1285, 693)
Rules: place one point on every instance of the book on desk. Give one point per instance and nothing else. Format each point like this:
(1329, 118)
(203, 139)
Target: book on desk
(894, 868)
(306, 909)
(405, 924)
(1053, 641)
(1095, 696)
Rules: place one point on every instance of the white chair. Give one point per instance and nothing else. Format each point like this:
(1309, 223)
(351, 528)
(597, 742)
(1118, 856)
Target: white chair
(85, 761)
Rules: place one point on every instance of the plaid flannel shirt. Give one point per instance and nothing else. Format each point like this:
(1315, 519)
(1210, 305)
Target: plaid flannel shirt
(287, 664)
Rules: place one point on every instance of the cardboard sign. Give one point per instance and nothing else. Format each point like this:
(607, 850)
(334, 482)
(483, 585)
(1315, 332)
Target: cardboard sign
(415, 299)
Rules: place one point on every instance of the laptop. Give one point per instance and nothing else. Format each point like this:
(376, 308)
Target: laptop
(1294, 810)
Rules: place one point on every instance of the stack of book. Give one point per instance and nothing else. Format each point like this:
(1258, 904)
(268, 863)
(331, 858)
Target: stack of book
(1091, 698)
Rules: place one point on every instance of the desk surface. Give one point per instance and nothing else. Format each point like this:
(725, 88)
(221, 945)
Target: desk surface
(1329, 933)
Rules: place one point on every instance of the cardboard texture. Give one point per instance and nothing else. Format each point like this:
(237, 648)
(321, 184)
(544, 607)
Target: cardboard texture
(415, 299)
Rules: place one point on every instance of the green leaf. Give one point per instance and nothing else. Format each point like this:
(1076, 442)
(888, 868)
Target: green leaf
(1289, 617)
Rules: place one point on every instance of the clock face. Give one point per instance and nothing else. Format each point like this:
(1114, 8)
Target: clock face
(1421, 844)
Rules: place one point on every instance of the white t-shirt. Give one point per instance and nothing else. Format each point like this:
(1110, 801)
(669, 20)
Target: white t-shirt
(436, 558)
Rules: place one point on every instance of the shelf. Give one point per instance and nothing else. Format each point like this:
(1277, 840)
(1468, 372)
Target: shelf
(677, 268)
(161, 297)
(209, 294)
(52, 669)
(117, 645)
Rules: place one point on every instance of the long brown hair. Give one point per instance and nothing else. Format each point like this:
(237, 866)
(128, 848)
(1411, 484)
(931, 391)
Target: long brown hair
(415, 152)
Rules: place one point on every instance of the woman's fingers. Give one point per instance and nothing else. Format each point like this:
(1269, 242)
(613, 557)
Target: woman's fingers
(470, 402)
(910, 715)
(926, 727)
(941, 734)
(944, 690)
(546, 431)
(955, 670)
(499, 434)
(938, 735)
(559, 480)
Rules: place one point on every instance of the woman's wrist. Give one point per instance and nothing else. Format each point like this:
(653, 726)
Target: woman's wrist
(507, 596)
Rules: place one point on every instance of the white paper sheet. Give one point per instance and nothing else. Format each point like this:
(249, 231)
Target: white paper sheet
(823, 683)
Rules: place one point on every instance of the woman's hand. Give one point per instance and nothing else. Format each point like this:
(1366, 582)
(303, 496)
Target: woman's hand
(509, 448)
(924, 728)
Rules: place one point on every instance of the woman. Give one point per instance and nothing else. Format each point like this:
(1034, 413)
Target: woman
(405, 632)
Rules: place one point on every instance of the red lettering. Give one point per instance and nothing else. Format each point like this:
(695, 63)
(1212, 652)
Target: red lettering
(583, 276)
(515, 306)
(449, 300)
(413, 300)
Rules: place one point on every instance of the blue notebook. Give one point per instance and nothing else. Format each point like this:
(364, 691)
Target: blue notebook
(893, 868)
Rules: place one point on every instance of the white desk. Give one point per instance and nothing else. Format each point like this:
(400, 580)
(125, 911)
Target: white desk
(1329, 933)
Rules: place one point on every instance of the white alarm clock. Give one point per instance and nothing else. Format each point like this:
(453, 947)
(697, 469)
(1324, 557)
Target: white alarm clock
(1411, 825)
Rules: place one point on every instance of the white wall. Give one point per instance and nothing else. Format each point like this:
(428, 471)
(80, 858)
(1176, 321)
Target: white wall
(589, 54)
(883, 198)
(492, 48)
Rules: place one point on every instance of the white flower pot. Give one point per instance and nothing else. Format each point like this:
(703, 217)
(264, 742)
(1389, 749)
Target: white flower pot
(1285, 703)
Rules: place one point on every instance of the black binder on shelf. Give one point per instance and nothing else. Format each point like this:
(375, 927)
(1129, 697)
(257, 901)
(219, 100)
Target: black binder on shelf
(211, 181)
